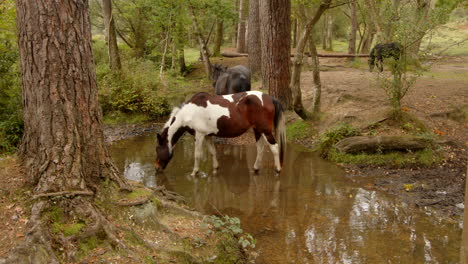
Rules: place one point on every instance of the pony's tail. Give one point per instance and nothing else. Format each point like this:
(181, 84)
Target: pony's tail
(280, 128)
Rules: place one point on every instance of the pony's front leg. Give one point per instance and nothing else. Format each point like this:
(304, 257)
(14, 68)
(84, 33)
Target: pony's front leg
(212, 149)
(260, 146)
(198, 152)
(274, 147)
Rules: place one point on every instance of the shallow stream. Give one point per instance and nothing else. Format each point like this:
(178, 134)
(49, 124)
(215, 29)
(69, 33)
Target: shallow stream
(310, 213)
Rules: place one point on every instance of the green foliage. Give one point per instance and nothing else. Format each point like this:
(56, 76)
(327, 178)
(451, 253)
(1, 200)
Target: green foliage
(11, 124)
(299, 130)
(333, 135)
(231, 225)
(135, 91)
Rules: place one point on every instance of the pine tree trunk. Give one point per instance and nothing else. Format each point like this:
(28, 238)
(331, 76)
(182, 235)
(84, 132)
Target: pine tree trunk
(254, 39)
(63, 145)
(276, 48)
(353, 29)
(218, 41)
(111, 36)
(240, 47)
(63, 149)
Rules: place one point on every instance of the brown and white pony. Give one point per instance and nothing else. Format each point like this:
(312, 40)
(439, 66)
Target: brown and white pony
(206, 115)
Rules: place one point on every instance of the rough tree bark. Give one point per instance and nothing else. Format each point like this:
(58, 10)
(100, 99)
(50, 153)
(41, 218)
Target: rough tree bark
(243, 8)
(253, 39)
(298, 59)
(111, 36)
(276, 48)
(218, 41)
(353, 29)
(203, 49)
(63, 150)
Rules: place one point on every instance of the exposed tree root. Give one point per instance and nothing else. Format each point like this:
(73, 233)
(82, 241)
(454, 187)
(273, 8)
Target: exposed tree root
(41, 246)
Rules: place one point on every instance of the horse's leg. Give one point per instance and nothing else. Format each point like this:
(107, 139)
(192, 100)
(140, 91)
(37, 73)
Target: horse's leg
(198, 151)
(260, 145)
(212, 149)
(274, 149)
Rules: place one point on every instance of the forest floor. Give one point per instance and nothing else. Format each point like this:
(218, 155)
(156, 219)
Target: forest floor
(349, 94)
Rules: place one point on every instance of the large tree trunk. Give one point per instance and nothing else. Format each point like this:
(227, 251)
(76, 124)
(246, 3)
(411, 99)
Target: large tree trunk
(276, 48)
(63, 150)
(243, 8)
(253, 39)
(203, 49)
(315, 75)
(111, 36)
(218, 41)
(298, 59)
(353, 29)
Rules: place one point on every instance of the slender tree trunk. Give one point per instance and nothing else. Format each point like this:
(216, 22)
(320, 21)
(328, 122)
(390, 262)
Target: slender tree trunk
(316, 75)
(295, 26)
(243, 8)
(111, 36)
(276, 48)
(254, 39)
(203, 49)
(353, 30)
(218, 41)
(324, 32)
(329, 39)
(377, 21)
(298, 58)
(368, 39)
(163, 57)
(63, 149)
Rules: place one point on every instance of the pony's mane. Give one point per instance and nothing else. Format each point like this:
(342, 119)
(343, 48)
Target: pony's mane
(173, 113)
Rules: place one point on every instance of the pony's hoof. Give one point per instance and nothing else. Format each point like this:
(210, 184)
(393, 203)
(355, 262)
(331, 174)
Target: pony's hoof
(256, 170)
(215, 171)
(194, 173)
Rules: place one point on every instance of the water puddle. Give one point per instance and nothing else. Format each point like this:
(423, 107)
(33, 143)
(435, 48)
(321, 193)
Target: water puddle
(310, 213)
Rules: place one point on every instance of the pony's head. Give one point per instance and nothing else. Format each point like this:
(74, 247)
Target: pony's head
(164, 144)
(163, 151)
(216, 71)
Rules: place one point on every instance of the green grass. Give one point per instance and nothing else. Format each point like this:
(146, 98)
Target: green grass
(426, 157)
(299, 130)
(191, 55)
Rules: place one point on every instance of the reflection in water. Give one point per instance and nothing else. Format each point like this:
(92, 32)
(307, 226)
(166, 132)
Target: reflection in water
(309, 213)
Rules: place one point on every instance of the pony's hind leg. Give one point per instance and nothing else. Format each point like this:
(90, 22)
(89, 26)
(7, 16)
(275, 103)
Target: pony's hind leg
(260, 145)
(274, 147)
(198, 152)
(212, 149)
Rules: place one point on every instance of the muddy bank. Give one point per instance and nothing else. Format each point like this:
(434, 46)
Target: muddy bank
(440, 187)
(114, 133)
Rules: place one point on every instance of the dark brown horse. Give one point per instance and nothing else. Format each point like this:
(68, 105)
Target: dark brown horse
(207, 115)
(230, 80)
(382, 51)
